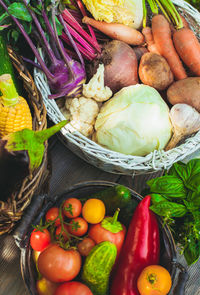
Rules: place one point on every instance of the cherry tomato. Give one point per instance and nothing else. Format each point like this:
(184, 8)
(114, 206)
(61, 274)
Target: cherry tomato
(39, 240)
(78, 226)
(154, 279)
(64, 234)
(93, 211)
(72, 207)
(52, 214)
(73, 288)
(45, 287)
(59, 265)
(85, 246)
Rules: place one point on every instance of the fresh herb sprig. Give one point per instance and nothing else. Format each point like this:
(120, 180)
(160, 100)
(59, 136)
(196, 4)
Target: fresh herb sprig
(176, 197)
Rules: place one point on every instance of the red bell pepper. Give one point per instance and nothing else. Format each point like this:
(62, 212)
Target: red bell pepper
(141, 248)
(110, 229)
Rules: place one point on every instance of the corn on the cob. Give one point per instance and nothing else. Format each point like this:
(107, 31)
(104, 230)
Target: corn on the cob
(15, 114)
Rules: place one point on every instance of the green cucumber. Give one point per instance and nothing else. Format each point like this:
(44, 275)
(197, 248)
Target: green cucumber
(97, 267)
(6, 66)
(117, 196)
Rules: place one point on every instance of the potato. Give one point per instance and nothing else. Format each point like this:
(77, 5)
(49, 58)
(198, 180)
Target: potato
(155, 71)
(185, 91)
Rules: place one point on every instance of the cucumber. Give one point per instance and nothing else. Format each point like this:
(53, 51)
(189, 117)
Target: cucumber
(97, 267)
(6, 66)
(117, 196)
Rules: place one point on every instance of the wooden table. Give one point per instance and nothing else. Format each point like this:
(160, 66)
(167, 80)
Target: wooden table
(67, 169)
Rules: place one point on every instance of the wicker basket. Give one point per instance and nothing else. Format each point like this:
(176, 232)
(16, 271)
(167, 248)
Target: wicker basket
(12, 210)
(108, 160)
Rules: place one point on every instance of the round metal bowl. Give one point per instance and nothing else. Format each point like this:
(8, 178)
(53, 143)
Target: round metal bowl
(41, 206)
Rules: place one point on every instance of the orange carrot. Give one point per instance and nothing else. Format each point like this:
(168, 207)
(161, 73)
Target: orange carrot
(188, 48)
(151, 46)
(116, 31)
(163, 40)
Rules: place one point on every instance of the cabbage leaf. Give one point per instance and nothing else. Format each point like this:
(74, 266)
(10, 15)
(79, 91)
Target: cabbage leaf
(127, 12)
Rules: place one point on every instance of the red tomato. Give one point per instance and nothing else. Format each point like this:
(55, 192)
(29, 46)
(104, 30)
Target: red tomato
(73, 288)
(52, 214)
(85, 246)
(72, 207)
(59, 265)
(100, 234)
(79, 226)
(39, 240)
(64, 235)
(45, 287)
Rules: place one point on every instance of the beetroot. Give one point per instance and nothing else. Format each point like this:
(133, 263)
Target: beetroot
(121, 65)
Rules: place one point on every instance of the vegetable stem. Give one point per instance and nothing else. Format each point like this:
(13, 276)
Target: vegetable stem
(38, 26)
(29, 41)
(9, 96)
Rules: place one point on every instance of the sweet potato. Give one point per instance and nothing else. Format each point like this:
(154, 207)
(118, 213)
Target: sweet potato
(155, 71)
(185, 91)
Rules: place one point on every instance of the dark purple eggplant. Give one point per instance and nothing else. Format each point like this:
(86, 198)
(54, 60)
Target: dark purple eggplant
(20, 153)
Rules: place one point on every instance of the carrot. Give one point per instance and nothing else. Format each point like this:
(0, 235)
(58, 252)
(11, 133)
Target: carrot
(188, 48)
(163, 40)
(184, 24)
(116, 31)
(151, 46)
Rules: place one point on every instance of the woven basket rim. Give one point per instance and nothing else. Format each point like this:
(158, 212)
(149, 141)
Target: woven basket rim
(12, 209)
(116, 162)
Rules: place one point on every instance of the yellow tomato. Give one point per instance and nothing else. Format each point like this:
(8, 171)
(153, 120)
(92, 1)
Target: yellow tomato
(46, 287)
(93, 211)
(154, 280)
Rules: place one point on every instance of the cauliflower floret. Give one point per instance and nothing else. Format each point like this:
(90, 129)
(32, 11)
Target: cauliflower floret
(95, 88)
(83, 112)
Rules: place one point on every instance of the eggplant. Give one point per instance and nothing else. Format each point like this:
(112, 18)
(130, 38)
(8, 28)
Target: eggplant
(21, 153)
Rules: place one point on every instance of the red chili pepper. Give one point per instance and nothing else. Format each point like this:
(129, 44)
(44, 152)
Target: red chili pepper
(141, 248)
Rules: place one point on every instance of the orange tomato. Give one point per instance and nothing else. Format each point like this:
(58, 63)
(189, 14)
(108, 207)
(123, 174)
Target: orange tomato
(93, 211)
(154, 280)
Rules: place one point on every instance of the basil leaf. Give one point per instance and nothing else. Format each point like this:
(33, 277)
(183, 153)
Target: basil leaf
(169, 209)
(193, 172)
(168, 186)
(156, 198)
(192, 250)
(179, 170)
(194, 198)
(19, 11)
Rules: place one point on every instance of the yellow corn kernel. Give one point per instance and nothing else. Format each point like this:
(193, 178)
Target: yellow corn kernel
(15, 118)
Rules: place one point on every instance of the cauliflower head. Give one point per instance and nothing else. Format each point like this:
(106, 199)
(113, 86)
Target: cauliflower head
(95, 88)
(83, 112)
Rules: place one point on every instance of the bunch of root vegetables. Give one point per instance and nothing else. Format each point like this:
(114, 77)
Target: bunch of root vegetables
(164, 55)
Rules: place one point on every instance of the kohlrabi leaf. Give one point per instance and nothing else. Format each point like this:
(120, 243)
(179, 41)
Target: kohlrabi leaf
(19, 11)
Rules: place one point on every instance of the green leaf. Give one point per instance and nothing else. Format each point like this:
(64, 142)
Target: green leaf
(178, 170)
(194, 198)
(192, 250)
(168, 186)
(59, 27)
(193, 172)
(19, 11)
(169, 209)
(15, 35)
(156, 198)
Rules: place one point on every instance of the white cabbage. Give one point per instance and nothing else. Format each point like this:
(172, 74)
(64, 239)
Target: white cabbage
(134, 122)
